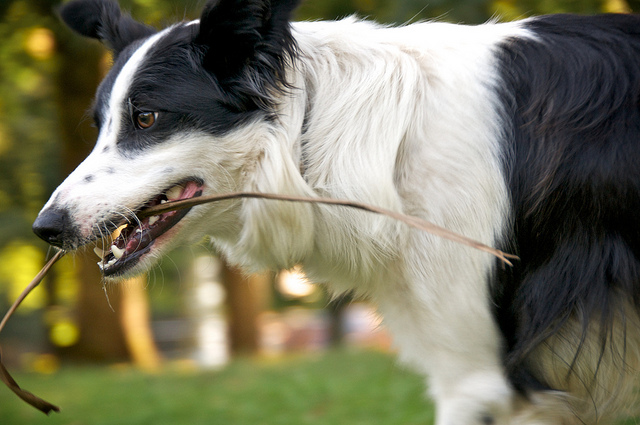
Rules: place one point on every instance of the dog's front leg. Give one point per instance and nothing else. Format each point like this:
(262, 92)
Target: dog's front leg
(445, 329)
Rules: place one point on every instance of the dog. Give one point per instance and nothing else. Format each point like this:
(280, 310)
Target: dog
(524, 136)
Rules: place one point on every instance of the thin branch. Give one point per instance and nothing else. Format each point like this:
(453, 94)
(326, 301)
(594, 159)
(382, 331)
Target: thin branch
(34, 283)
(412, 221)
(5, 377)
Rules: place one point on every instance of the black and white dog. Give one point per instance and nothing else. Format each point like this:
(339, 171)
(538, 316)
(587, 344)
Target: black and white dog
(525, 136)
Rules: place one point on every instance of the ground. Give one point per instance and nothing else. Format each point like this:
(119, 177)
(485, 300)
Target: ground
(338, 387)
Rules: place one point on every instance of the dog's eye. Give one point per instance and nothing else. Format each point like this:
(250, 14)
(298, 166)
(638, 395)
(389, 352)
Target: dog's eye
(145, 120)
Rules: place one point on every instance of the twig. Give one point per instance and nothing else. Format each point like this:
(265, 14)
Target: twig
(412, 221)
(34, 283)
(5, 377)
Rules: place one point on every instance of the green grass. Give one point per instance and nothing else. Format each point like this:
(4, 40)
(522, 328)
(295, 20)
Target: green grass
(342, 387)
(337, 388)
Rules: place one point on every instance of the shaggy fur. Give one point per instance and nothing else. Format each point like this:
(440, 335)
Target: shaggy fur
(520, 135)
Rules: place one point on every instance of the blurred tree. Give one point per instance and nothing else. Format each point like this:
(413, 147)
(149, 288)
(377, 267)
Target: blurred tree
(515, 9)
(135, 320)
(28, 128)
(394, 11)
(29, 138)
(247, 297)
(101, 336)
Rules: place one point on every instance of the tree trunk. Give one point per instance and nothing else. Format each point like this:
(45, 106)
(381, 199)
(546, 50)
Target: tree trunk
(247, 297)
(135, 320)
(101, 336)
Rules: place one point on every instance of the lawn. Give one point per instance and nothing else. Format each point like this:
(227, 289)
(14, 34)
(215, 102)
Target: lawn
(336, 388)
(341, 387)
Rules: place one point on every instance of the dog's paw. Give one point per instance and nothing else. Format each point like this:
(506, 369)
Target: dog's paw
(482, 399)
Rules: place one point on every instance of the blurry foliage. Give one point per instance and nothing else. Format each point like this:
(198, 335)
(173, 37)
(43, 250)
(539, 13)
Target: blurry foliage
(31, 162)
(28, 130)
(20, 263)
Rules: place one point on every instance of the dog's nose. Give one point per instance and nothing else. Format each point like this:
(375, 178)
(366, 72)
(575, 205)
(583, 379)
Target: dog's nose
(51, 225)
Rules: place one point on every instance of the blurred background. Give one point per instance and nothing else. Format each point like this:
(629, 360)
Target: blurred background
(86, 343)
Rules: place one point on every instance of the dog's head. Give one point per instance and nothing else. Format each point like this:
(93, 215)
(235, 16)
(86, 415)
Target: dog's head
(182, 112)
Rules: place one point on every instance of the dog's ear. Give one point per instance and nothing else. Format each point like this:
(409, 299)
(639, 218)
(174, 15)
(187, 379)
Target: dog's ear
(236, 34)
(103, 20)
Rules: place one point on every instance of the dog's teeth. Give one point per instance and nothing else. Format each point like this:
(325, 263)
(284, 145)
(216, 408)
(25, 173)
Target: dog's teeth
(117, 252)
(99, 252)
(111, 262)
(117, 232)
(163, 201)
(138, 230)
(153, 219)
(101, 265)
(174, 193)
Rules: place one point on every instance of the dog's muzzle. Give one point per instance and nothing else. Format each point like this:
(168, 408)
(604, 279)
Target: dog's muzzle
(121, 240)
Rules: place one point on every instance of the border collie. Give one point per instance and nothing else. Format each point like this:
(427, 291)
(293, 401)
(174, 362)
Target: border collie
(524, 135)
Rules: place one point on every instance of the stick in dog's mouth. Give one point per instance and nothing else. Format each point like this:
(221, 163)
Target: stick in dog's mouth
(135, 238)
(132, 240)
(415, 222)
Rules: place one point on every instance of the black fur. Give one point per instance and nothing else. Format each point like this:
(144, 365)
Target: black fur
(574, 174)
(103, 20)
(245, 44)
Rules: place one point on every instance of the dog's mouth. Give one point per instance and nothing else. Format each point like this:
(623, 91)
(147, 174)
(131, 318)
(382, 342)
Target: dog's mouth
(132, 240)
